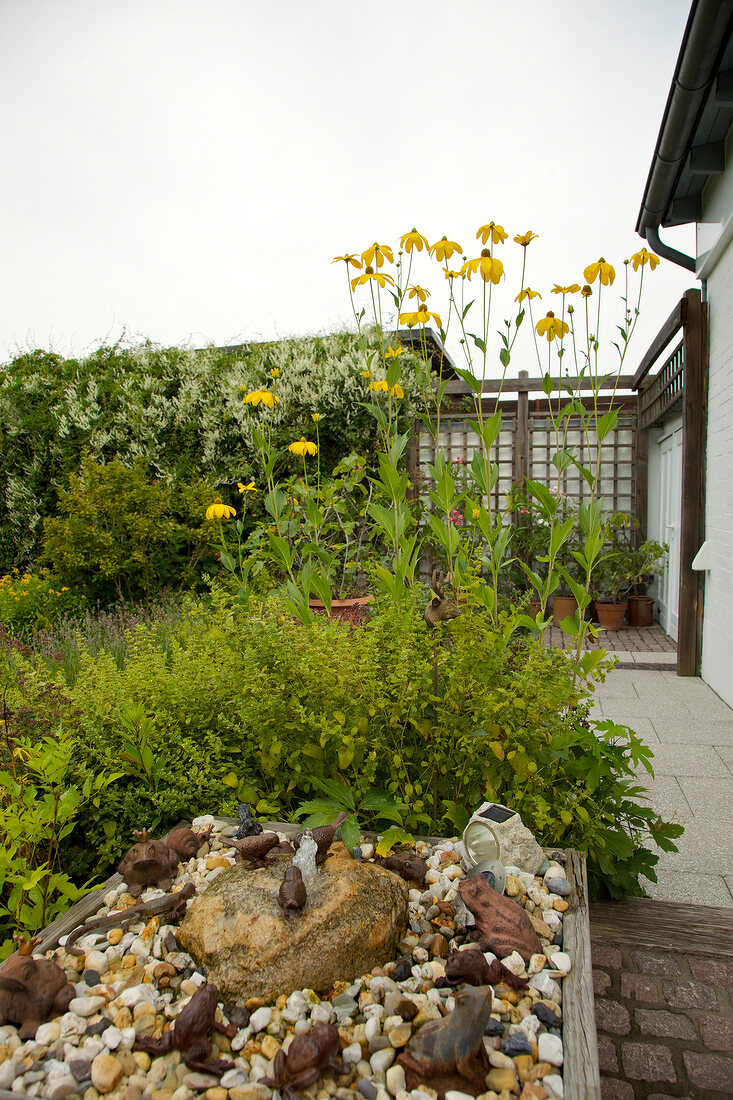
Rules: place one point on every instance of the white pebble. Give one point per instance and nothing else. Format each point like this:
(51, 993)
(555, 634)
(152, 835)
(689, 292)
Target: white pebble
(367, 851)
(395, 1078)
(72, 1024)
(48, 1033)
(545, 985)
(514, 962)
(561, 961)
(320, 1014)
(553, 1082)
(137, 994)
(86, 1006)
(381, 1060)
(112, 1037)
(96, 960)
(453, 872)
(351, 1054)
(241, 1038)
(260, 1018)
(372, 1028)
(549, 1049)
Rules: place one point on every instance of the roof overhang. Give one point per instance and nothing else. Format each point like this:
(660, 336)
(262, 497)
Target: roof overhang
(698, 114)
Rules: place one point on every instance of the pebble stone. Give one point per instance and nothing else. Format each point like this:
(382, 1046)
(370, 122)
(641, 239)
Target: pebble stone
(132, 982)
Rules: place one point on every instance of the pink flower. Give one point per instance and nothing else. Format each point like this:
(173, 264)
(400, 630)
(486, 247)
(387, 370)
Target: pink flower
(459, 461)
(524, 511)
(456, 518)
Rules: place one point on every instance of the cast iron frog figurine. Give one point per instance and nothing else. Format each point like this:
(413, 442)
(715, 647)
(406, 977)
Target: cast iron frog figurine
(308, 1056)
(471, 968)
(190, 1033)
(449, 1053)
(148, 863)
(31, 990)
(502, 924)
(186, 843)
(407, 865)
(247, 824)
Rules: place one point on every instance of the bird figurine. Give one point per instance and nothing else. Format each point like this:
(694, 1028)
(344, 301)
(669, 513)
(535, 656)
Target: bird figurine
(292, 893)
(323, 836)
(254, 849)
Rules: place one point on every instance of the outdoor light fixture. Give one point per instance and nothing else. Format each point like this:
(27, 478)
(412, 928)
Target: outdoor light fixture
(479, 837)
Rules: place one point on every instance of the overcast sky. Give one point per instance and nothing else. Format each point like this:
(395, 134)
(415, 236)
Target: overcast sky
(186, 170)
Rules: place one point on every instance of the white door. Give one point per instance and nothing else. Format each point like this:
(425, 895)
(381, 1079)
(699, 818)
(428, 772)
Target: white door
(670, 507)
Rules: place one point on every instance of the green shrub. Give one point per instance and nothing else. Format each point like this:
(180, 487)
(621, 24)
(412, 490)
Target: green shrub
(256, 706)
(34, 601)
(120, 533)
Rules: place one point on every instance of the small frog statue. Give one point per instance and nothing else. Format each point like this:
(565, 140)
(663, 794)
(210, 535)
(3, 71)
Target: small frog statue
(449, 1053)
(308, 1056)
(31, 990)
(190, 1034)
(148, 863)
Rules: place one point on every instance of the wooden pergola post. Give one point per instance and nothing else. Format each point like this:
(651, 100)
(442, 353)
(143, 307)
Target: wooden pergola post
(692, 525)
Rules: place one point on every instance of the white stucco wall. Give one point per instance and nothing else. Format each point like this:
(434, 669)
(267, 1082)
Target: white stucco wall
(717, 647)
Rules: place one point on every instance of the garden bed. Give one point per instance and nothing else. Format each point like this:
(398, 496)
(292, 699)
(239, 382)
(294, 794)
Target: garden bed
(580, 1069)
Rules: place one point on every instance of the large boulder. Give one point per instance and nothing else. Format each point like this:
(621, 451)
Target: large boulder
(352, 921)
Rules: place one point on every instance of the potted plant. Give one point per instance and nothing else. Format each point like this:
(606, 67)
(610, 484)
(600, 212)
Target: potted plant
(641, 563)
(609, 591)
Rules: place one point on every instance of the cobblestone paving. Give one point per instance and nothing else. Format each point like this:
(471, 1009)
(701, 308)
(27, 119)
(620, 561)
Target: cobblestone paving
(665, 1022)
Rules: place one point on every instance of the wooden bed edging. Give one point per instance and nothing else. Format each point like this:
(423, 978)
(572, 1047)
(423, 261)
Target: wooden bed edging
(581, 1075)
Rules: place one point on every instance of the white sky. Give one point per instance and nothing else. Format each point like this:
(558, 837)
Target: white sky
(187, 169)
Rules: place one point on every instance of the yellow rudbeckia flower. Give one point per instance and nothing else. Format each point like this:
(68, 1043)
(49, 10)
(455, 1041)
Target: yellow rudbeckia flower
(315, 417)
(413, 239)
(378, 252)
(586, 291)
(217, 510)
(453, 274)
(421, 317)
(275, 372)
(349, 258)
(246, 488)
(397, 390)
(572, 289)
(476, 513)
(261, 397)
(489, 267)
(380, 277)
(527, 293)
(303, 447)
(525, 238)
(551, 326)
(392, 353)
(366, 374)
(497, 233)
(643, 257)
(418, 292)
(601, 270)
(444, 249)
(377, 386)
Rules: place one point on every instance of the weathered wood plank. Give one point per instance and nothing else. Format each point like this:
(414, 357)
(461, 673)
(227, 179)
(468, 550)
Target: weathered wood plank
(671, 326)
(581, 1074)
(663, 926)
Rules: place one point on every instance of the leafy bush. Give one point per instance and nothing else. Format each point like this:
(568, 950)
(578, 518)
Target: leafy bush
(35, 601)
(259, 707)
(118, 532)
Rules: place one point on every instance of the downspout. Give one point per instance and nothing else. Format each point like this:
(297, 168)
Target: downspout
(651, 232)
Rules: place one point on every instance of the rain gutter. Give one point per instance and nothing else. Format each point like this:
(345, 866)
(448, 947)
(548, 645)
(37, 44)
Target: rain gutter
(697, 65)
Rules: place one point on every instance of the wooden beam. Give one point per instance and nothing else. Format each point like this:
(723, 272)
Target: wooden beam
(672, 325)
(693, 464)
(534, 385)
(521, 441)
(642, 476)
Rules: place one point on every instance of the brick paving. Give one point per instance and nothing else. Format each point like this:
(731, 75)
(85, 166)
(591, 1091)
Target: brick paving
(629, 639)
(664, 1015)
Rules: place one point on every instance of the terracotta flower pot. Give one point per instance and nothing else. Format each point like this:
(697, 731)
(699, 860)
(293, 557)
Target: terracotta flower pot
(562, 606)
(610, 615)
(348, 611)
(641, 610)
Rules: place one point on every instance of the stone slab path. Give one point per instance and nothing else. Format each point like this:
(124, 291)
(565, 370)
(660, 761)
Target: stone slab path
(663, 984)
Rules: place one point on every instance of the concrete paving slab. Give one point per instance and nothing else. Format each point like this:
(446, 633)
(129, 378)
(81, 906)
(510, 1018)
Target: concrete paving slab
(690, 889)
(710, 797)
(684, 730)
(628, 710)
(642, 726)
(725, 752)
(703, 848)
(667, 797)
(686, 760)
(729, 883)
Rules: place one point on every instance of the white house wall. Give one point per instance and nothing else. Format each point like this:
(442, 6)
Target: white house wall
(717, 642)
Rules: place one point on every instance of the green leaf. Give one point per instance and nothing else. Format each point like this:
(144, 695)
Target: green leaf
(504, 357)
